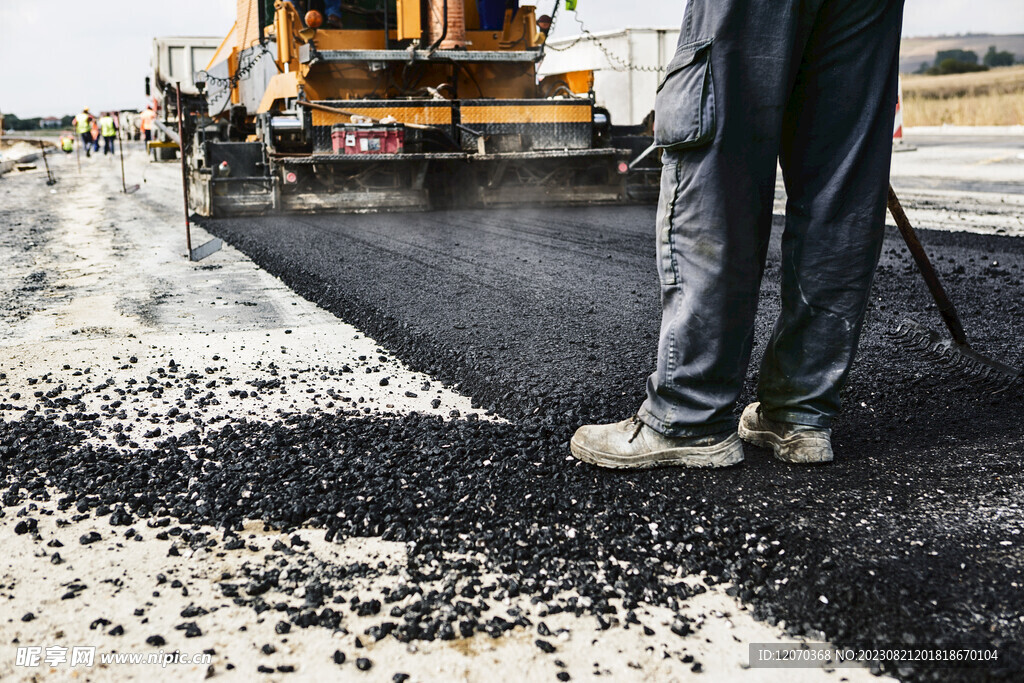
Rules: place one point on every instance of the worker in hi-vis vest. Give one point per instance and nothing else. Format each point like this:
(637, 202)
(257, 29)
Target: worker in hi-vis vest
(95, 131)
(108, 129)
(146, 119)
(83, 127)
(67, 143)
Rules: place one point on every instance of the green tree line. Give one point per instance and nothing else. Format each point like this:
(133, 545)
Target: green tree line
(966, 61)
(12, 122)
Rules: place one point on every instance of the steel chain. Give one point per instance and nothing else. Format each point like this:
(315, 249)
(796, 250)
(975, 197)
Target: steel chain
(243, 71)
(617, 63)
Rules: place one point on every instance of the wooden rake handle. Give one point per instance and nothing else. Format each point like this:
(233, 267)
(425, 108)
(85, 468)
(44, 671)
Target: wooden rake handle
(931, 278)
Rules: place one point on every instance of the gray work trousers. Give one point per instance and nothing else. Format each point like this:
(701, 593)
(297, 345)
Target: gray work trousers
(812, 84)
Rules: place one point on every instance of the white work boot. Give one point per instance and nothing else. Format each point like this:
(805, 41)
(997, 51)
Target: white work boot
(801, 444)
(631, 444)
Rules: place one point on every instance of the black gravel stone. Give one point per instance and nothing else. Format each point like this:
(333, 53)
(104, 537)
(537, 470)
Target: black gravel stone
(119, 517)
(363, 664)
(544, 645)
(339, 657)
(191, 630)
(192, 611)
(89, 538)
(681, 627)
(25, 526)
(156, 641)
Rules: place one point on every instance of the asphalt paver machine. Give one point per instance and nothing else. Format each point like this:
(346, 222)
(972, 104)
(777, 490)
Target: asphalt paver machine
(407, 105)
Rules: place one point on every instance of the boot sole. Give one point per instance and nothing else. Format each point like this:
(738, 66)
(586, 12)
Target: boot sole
(725, 454)
(779, 447)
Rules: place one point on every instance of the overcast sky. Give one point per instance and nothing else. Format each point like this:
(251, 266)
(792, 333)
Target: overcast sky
(57, 56)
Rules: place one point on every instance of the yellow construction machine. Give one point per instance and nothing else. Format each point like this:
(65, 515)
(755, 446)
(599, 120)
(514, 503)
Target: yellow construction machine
(394, 105)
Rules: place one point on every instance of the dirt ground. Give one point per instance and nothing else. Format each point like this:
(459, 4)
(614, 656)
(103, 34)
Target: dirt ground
(109, 330)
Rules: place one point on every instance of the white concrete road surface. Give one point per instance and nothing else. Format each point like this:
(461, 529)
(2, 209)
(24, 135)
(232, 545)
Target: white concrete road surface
(956, 178)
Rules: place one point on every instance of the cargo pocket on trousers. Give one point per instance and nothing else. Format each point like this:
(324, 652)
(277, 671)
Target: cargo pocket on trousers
(668, 270)
(684, 109)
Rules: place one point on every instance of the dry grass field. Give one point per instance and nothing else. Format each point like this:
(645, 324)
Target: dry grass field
(987, 98)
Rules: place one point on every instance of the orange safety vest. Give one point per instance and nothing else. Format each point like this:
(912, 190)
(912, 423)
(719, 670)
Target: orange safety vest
(148, 116)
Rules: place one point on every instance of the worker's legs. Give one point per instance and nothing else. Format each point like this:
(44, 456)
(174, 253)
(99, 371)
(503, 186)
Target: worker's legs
(108, 145)
(727, 99)
(87, 142)
(836, 149)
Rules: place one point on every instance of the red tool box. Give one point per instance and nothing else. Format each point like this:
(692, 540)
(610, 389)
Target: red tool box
(349, 139)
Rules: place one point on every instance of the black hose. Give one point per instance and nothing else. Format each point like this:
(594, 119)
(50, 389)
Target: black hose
(261, 9)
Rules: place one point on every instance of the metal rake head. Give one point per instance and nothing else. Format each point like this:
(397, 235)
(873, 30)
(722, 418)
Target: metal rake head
(980, 370)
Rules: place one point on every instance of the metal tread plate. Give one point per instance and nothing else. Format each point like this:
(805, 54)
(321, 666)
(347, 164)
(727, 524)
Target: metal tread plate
(450, 156)
(363, 158)
(308, 55)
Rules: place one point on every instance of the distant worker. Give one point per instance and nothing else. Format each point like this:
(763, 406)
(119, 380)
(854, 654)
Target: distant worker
(94, 132)
(109, 131)
(810, 86)
(146, 119)
(83, 128)
(67, 143)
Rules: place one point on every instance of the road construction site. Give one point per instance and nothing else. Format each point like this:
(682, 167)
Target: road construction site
(337, 447)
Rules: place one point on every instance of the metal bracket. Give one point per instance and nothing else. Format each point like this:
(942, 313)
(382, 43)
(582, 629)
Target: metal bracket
(497, 174)
(204, 250)
(421, 176)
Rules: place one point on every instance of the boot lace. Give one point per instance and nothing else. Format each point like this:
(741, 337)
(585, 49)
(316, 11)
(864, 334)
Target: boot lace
(637, 426)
